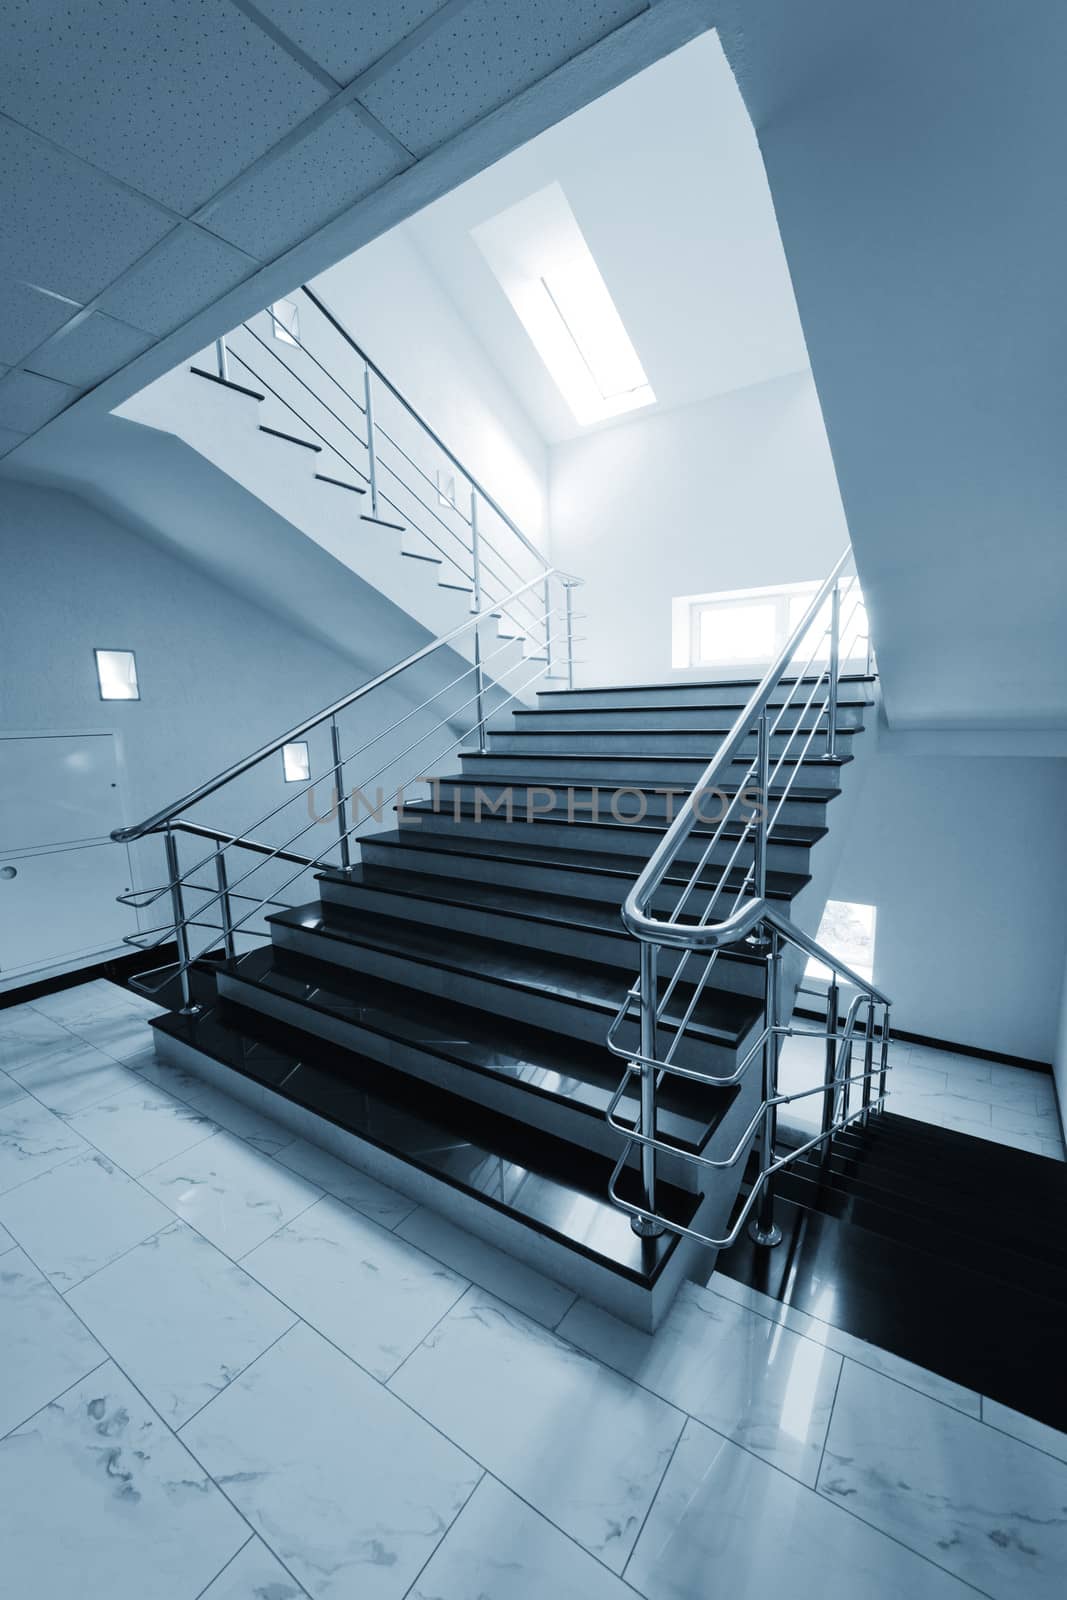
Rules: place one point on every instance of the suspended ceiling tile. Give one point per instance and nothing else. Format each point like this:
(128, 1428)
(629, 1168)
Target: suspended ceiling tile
(65, 228)
(28, 401)
(193, 92)
(324, 29)
(27, 317)
(189, 270)
(90, 350)
(9, 439)
(482, 58)
(322, 175)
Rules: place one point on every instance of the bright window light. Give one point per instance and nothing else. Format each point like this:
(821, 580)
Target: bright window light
(847, 931)
(540, 258)
(296, 763)
(746, 627)
(116, 675)
(285, 321)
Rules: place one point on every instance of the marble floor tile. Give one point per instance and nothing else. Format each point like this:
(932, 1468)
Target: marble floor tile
(45, 1347)
(77, 1218)
(246, 1122)
(1041, 1121)
(1039, 1434)
(357, 1189)
(25, 1033)
(85, 1001)
(369, 1292)
(70, 1080)
(234, 1195)
(726, 1524)
(121, 1034)
(985, 1506)
(6, 1242)
(935, 1107)
(753, 1380)
(498, 1549)
(142, 1127)
(349, 1489)
(846, 1344)
(529, 1291)
(10, 1089)
(33, 1140)
(180, 1318)
(254, 1574)
(130, 1515)
(581, 1444)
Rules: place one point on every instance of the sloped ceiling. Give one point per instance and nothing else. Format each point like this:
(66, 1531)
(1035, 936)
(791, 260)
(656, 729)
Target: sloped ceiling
(916, 156)
(160, 157)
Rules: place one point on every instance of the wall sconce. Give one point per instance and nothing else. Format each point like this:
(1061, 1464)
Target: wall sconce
(296, 763)
(116, 675)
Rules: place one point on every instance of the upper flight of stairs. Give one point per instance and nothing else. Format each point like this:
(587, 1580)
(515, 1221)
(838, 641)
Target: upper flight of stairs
(437, 1015)
(941, 1247)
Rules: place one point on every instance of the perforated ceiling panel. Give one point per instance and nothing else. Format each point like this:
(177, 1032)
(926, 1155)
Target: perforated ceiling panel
(27, 400)
(324, 29)
(190, 269)
(325, 173)
(482, 58)
(26, 318)
(194, 92)
(88, 350)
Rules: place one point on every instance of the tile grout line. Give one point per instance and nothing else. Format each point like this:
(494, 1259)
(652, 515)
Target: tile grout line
(241, 1372)
(829, 1424)
(410, 1590)
(654, 1497)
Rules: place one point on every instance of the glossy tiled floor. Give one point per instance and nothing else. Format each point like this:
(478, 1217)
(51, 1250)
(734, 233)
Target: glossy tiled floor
(232, 1367)
(1009, 1105)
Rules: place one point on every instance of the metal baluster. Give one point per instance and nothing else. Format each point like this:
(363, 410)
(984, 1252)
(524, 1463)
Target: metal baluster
(647, 1226)
(181, 932)
(763, 1229)
(763, 764)
(222, 358)
(568, 590)
(835, 671)
(479, 674)
(884, 1064)
(548, 628)
(829, 1104)
(339, 791)
(868, 1061)
(223, 885)
(372, 454)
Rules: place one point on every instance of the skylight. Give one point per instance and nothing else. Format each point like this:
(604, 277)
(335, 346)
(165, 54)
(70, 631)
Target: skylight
(539, 256)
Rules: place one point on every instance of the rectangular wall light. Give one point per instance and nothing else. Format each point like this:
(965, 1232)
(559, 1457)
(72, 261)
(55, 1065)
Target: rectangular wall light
(296, 763)
(116, 675)
(285, 321)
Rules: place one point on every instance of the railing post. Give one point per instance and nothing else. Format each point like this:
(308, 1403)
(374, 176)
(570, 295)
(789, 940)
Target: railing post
(763, 767)
(829, 1102)
(884, 1060)
(548, 626)
(868, 1060)
(181, 932)
(479, 675)
(372, 454)
(647, 1226)
(339, 792)
(223, 359)
(568, 592)
(763, 1229)
(835, 673)
(226, 914)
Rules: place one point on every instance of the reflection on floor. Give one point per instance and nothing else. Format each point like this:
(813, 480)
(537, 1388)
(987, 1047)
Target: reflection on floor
(234, 1367)
(1009, 1105)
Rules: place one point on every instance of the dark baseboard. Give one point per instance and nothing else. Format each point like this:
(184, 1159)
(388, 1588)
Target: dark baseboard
(119, 971)
(946, 1044)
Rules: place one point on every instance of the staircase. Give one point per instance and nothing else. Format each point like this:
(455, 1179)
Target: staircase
(941, 1247)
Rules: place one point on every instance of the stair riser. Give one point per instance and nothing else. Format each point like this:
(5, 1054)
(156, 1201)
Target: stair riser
(681, 693)
(563, 1121)
(644, 770)
(617, 950)
(605, 718)
(650, 741)
(541, 1009)
(584, 885)
(546, 834)
(579, 798)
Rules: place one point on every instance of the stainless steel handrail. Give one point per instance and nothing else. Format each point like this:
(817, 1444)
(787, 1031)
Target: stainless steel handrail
(166, 814)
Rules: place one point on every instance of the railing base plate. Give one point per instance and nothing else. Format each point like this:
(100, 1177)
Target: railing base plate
(646, 1227)
(765, 1237)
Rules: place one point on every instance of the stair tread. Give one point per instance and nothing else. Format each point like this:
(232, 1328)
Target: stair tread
(611, 863)
(704, 683)
(568, 1071)
(721, 1017)
(667, 706)
(227, 383)
(709, 730)
(804, 794)
(540, 1180)
(290, 438)
(698, 764)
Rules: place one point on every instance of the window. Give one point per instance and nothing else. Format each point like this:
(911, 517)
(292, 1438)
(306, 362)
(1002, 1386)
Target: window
(540, 258)
(296, 763)
(116, 675)
(746, 627)
(847, 931)
(285, 321)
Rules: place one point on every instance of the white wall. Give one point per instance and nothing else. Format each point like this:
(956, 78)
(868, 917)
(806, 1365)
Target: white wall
(730, 493)
(393, 306)
(965, 858)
